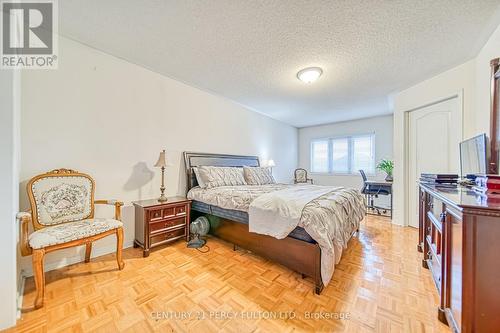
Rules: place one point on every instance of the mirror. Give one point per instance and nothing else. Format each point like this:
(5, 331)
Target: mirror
(494, 118)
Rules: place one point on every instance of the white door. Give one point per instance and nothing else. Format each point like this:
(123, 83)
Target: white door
(435, 132)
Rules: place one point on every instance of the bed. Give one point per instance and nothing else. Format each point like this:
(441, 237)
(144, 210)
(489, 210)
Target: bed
(296, 248)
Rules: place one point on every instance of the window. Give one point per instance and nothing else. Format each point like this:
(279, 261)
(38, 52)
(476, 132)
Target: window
(320, 155)
(345, 155)
(340, 155)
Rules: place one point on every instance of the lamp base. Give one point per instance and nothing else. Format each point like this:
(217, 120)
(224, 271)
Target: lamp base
(162, 198)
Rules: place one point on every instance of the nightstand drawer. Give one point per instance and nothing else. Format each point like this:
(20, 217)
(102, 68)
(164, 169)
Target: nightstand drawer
(167, 236)
(155, 214)
(162, 225)
(168, 212)
(180, 210)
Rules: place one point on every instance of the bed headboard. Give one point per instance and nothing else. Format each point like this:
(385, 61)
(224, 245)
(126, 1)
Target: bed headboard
(204, 159)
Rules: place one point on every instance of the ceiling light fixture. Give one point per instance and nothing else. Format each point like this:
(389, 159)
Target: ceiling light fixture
(310, 74)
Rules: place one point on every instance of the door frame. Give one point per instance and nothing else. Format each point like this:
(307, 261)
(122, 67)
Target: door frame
(459, 95)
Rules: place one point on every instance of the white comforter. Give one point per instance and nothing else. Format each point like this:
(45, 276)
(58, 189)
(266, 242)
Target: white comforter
(278, 213)
(328, 214)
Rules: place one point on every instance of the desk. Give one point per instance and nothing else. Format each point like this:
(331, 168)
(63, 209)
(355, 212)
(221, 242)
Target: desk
(374, 186)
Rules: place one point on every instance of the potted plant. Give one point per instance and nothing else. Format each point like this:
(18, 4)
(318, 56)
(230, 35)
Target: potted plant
(387, 166)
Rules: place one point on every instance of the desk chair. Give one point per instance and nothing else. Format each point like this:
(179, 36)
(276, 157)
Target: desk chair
(372, 191)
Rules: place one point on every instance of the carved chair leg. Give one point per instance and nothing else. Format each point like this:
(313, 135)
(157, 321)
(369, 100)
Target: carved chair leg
(119, 248)
(39, 275)
(88, 251)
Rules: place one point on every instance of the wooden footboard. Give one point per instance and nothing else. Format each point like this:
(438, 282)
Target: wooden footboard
(300, 256)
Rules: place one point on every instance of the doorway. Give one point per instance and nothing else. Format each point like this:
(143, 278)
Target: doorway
(434, 134)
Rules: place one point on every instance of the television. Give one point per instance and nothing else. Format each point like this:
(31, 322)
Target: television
(473, 156)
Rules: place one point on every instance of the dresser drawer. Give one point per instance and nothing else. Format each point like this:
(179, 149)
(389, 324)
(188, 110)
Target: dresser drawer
(162, 225)
(167, 236)
(435, 267)
(436, 208)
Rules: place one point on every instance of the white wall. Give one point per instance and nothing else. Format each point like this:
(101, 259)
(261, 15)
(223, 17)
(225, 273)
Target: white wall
(9, 150)
(381, 126)
(472, 80)
(104, 116)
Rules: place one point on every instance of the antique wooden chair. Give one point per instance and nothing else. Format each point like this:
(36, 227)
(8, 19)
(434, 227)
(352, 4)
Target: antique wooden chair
(62, 214)
(301, 176)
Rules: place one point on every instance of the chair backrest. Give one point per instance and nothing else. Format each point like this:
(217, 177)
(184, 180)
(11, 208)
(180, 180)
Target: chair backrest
(60, 196)
(363, 175)
(300, 175)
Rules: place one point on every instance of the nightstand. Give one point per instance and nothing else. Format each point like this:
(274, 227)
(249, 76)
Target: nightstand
(158, 223)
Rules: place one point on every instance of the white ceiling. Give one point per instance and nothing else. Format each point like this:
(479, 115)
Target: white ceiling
(250, 51)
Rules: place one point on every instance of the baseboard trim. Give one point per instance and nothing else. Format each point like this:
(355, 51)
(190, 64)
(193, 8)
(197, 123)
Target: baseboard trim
(96, 252)
(20, 292)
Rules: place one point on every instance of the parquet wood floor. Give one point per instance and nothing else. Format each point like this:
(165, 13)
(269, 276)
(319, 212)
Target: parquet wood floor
(379, 286)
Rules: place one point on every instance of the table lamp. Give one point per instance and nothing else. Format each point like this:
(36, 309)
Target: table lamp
(271, 164)
(162, 163)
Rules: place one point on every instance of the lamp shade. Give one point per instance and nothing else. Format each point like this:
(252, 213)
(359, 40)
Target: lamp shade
(271, 163)
(162, 161)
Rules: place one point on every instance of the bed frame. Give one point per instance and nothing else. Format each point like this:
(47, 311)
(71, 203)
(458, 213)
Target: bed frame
(297, 255)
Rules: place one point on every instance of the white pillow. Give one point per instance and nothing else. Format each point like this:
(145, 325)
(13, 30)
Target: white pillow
(220, 176)
(198, 178)
(258, 175)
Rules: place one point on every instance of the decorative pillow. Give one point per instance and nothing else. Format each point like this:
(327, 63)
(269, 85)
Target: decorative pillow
(221, 176)
(258, 175)
(201, 183)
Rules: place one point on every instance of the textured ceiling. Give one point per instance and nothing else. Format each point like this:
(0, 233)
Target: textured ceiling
(250, 51)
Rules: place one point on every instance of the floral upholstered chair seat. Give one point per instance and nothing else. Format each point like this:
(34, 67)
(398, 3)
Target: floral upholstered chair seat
(62, 215)
(70, 231)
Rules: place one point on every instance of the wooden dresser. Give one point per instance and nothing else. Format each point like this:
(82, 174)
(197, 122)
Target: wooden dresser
(459, 235)
(158, 223)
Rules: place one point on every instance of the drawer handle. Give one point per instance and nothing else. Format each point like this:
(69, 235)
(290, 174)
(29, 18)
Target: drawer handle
(443, 216)
(431, 205)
